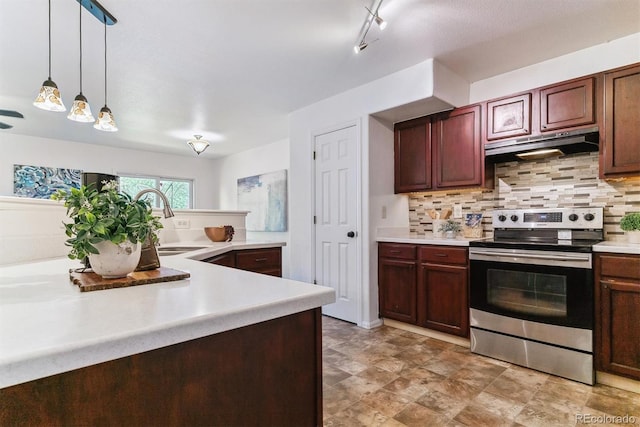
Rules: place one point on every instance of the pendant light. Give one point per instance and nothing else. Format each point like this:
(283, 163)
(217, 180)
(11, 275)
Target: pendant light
(198, 145)
(105, 121)
(80, 110)
(49, 96)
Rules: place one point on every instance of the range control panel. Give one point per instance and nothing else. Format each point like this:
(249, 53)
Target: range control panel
(560, 218)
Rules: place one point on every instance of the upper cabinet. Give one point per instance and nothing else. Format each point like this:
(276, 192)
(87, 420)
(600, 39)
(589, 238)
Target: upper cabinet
(439, 151)
(412, 155)
(567, 105)
(458, 153)
(509, 117)
(620, 136)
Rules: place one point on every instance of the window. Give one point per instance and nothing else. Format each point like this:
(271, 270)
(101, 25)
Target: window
(178, 191)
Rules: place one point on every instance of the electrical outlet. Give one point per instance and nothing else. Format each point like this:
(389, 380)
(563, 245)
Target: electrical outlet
(181, 223)
(457, 211)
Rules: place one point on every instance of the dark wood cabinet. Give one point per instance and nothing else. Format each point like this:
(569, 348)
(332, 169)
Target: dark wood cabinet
(620, 150)
(440, 151)
(443, 296)
(568, 105)
(265, 260)
(425, 285)
(458, 150)
(397, 281)
(412, 159)
(508, 117)
(617, 309)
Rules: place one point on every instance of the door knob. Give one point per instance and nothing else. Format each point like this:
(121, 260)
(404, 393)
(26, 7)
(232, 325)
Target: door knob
(351, 234)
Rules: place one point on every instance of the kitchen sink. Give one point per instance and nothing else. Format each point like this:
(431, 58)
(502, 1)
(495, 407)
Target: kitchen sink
(176, 250)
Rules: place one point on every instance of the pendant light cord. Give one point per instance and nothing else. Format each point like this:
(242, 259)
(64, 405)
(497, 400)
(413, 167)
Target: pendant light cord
(49, 40)
(80, 14)
(105, 61)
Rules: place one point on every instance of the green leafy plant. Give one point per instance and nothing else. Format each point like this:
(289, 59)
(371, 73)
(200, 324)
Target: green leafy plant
(105, 215)
(630, 222)
(450, 225)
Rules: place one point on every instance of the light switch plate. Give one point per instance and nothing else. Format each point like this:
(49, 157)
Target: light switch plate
(181, 223)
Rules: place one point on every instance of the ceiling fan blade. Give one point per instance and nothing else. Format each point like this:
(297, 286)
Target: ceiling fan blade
(11, 113)
(5, 126)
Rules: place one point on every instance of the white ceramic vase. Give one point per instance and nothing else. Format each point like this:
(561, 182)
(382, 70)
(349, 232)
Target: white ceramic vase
(633, 236)
(115, 261)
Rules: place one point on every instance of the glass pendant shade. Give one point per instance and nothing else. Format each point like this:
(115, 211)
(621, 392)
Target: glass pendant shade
(198, 145)
(105, 121)
(80, 110)
(49, 97)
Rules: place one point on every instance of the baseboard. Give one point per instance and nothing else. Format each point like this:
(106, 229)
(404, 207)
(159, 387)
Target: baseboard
(618, 382)
(370, 325)
(464, 342)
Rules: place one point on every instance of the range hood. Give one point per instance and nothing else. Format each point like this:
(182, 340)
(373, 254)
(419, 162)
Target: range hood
(541, 146)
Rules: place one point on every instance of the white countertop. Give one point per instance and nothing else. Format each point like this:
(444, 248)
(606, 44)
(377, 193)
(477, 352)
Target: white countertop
(617, 247)
(47, 326)
(425, 240)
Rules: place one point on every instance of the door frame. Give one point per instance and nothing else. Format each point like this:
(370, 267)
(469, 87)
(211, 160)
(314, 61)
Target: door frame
(359, 245)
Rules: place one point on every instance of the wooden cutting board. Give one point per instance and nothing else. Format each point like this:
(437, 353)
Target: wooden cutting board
(90, 281)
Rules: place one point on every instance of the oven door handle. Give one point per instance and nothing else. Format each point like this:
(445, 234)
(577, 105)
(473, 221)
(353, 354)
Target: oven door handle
(556, 257)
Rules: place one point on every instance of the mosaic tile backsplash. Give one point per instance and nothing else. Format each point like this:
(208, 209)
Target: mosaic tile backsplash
(566, 181)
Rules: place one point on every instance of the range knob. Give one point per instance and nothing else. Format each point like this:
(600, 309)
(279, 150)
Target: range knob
(573, 217)
(589, 217)
(502, 218)
(514, 218)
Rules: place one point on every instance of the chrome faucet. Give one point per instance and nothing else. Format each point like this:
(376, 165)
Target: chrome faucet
(168, 213)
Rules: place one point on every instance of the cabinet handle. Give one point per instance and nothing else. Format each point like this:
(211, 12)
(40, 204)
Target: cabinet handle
(441, 255)
(605, 286)
(394, 252)
(261, 259)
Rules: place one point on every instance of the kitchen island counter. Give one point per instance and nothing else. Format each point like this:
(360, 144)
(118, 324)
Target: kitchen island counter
(47, 326)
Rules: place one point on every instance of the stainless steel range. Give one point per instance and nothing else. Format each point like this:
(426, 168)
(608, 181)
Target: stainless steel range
(531, 290)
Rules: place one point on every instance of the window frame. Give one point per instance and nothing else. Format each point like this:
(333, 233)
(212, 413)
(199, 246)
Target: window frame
(158, 179)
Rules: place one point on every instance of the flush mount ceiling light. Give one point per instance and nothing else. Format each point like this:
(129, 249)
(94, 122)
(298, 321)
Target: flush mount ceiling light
(198, 145)
(80, 110)
(372, 17)
(105, 120)
(49, 96)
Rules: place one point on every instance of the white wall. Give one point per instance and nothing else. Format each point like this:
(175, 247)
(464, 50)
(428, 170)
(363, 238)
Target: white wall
(267, 158)
(28, 150)
(595, 59)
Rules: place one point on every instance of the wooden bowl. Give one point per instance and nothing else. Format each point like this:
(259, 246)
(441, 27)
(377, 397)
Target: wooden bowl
(216, 234)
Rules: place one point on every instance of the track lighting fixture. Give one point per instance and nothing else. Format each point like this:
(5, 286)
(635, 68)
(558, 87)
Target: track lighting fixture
(198, 145)
(80, 110)
(49, 96)
(372, 17)
(105, 121)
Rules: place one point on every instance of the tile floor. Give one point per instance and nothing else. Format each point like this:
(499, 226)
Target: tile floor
(390, 377)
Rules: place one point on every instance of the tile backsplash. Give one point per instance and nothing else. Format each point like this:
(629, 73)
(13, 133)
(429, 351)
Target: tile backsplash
(566, 181)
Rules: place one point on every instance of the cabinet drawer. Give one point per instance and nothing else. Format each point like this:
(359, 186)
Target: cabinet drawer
(443, 255)
(254, 259)
(400, 251)
(623, 266)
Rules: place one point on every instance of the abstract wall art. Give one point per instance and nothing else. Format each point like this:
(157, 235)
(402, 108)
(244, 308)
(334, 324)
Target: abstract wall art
(40, 182)
(265, 196)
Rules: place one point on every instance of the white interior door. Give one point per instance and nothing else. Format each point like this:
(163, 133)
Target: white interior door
(336, 220)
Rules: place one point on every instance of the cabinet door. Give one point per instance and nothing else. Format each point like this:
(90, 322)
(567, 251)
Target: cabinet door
(567, 105)
(458, 148)
(620, 149)
(412, 155)
(509, 117)
(618, 314)
(397, 289)
(227, 259)
(443, 301)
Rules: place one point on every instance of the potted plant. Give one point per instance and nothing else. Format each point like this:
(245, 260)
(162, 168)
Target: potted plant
(631, 224)
(108, 227)
(450, 228)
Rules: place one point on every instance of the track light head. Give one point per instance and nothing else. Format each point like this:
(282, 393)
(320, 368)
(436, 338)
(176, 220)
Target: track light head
(381, 22)
(362, 46)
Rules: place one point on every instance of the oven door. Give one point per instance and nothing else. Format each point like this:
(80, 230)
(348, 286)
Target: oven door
(542, 286)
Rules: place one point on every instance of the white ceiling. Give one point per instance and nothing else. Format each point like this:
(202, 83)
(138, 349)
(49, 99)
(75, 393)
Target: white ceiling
(232, 70)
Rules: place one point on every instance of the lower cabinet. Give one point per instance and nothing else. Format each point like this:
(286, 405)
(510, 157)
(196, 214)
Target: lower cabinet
(617, 316)
(265, 261)
(425, 285)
